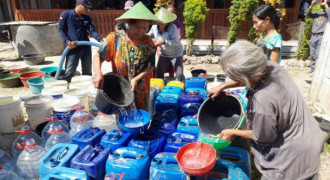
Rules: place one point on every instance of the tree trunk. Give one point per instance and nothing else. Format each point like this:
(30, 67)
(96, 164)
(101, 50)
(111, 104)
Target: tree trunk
(189, 48)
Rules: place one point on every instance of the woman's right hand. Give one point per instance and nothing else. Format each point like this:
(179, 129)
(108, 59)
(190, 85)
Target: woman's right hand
(98, 81)
(215, 92)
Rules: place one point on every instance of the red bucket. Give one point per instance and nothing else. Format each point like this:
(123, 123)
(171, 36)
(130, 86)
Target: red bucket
(17, 68)
(29, 75)
(196, 158)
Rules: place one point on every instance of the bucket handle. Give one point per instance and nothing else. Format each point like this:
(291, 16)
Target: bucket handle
(140, 156)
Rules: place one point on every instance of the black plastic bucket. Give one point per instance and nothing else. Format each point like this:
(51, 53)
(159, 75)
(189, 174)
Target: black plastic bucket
(225, 112)
(116, 93)
(197, 72)
(221, 77)
(52, 74)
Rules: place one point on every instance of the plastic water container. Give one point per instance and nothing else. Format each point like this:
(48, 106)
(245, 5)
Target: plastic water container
(58, 136)
(135, 121)
(25, 134)
(113, 176)
(200, 90)
(116, 139)
(53, 121)
(189, 109)
(149, 141)
(28, 161)
(133, 162)
(81, 119)
(83, 78)
(63, 173)
(81, 94)
(173, 90)
(80, 85)
(59, 155)
(105, 121)
(165, 122)
(178, 139)
(53, 83)
(166, 101)
(188, 124)
(56, 92)
(92, 160)
(235, 157)
(11, 114)
(38, 108)
(176, 84)
(63, 107)
(89, 136)
(195, 82)
(164, 166)
(157, 81)
(191, 97)
(8, 175)
(91, 98)
(7, 162)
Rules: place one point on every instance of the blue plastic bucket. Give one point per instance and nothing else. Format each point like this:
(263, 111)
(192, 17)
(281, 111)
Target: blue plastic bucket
(37, 84)
(49, 69)
(134, 122)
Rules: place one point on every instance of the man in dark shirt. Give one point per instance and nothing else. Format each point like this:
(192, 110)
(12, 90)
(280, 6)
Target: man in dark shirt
(75, 26)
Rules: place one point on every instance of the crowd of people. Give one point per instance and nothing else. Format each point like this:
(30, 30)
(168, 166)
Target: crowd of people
(285, 138)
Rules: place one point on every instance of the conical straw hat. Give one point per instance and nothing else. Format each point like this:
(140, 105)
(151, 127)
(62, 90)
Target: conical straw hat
(139, 12)
(165, 16)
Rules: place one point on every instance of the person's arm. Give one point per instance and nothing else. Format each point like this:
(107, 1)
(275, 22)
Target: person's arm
(230, 134)
(63, 28)
(93, 32)
(98, 76)
(144, 73)
(327, 9)
(275, 54)
(151, 32)
(308, 12)
(174, 39)
(215, 92)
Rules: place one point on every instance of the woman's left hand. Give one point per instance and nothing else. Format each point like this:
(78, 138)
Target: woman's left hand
(227, 134)
(134, 82)
(159, 43)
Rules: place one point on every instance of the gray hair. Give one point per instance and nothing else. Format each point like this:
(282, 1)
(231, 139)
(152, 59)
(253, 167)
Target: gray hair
(242, 61)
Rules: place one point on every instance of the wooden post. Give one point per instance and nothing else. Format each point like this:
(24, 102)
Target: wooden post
(296, 8)
(15, 6)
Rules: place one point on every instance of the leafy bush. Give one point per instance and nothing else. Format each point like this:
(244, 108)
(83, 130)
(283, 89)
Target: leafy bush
(194, 15)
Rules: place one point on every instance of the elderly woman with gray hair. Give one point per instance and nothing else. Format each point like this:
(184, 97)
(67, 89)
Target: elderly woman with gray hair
(286, 139)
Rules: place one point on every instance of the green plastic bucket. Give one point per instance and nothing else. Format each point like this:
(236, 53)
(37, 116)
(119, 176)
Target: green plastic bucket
(10, 80)
(225, 112)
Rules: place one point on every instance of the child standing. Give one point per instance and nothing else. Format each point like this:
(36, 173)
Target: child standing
(320, 20)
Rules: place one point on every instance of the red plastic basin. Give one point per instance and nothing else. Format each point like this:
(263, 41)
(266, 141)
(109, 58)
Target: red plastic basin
(29, 75)
(196, 158)
(17, 68)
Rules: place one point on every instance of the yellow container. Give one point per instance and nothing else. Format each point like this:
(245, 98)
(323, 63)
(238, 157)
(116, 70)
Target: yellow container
(157, 81)
(177, 84)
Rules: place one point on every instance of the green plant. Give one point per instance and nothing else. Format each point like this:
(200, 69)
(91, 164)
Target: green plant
(241, 10)
(303, 49)
(194, 15)
(162, 3)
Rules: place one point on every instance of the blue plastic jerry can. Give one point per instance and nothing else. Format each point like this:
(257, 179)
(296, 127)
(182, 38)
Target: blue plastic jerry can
(150, 141)
(165, 122)
(195, 82)
(59, 155)
(164, 166)
(178, 139)
(88, 136)
(220, 172)
(189, 109)
(173, 90)
(235, 157)
(134, 162)
(188, 124)
(64, 173)
(191, 97)
(116, 139)
(165, 102)
(200, 90)
(92, 160)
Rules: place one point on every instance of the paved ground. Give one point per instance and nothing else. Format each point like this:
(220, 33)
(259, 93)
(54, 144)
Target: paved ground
(299, 74)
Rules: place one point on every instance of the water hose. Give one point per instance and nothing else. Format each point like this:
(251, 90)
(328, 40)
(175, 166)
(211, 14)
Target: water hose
(67, 49)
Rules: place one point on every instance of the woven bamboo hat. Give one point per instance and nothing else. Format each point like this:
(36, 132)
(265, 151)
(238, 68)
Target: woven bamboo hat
(165, 16)
(139, 12)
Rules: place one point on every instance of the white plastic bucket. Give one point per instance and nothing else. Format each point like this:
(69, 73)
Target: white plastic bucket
(81, 85)
(106, 122)
(11, 114)
(63, 107)
(81, 78)
(56, 91)
(56, 83)
(38, 108)
(82, 95)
